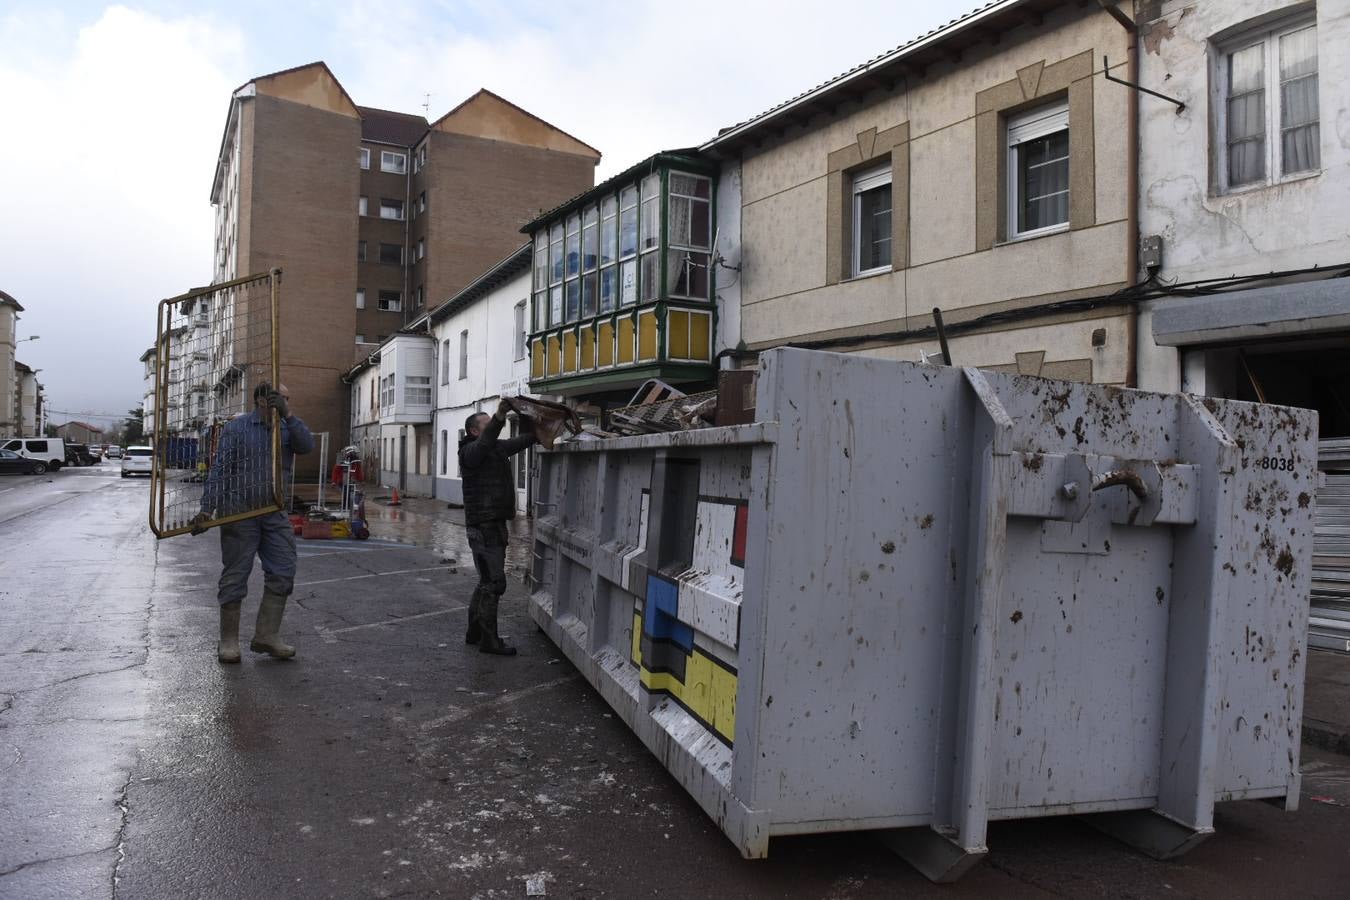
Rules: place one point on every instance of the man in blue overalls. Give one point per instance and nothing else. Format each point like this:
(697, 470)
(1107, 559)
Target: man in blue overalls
(240, 479)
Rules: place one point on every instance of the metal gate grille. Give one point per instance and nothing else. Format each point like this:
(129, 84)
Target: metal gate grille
(214, 346)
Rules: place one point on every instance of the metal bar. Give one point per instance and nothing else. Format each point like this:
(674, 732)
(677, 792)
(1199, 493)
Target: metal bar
(1251, 376)
(942, 336)
(1106, 72)
(212, 288)
(275, 276)
(224, 520)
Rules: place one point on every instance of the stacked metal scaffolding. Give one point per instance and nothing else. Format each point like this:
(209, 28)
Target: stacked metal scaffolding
(214, 346)
(1329, 624)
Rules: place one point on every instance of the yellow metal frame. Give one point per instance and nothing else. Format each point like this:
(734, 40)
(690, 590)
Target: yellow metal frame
(164, 318)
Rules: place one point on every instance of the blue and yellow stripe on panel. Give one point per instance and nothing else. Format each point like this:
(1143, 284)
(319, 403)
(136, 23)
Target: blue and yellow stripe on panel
(670, 663)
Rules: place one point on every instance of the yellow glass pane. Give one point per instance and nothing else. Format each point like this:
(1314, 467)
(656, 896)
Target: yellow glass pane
(587, 348)
(677, 334)
(569, 351)
(554, 352)
(700, 336)
(606, 353)
(646, 336)
(625, 340)
(537, 359)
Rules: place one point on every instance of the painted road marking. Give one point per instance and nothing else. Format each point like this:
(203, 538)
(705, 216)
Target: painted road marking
(457, 713)
(369, 575)
(329, 634)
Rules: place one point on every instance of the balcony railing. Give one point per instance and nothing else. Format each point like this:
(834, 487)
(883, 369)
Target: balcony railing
(655, 334)
(622, 279)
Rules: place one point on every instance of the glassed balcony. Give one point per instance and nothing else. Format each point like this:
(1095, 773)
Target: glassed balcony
(622, 285)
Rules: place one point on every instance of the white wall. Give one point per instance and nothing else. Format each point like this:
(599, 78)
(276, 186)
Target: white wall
(492, 370)
(1296, 224)
(726, 278)
(1208, 233)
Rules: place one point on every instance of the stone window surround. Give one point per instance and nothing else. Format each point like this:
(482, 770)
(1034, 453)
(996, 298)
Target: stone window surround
(871, 148)
(1034, 85)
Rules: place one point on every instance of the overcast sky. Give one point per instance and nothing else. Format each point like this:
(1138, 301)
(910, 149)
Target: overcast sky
(112, 116)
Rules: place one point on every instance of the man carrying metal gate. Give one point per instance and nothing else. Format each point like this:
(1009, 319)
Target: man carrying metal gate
(489, 503)
(239, 480)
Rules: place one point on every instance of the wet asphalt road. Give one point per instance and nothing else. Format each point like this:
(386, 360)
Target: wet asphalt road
(388, 761)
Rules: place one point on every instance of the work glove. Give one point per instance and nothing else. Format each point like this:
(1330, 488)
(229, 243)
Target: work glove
(278, 402)
(198, 523)
(503, 408)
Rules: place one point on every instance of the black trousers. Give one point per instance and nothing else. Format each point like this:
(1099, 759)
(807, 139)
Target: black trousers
(488, 544)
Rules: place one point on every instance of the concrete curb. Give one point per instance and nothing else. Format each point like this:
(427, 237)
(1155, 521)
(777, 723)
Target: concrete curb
(1327, 736)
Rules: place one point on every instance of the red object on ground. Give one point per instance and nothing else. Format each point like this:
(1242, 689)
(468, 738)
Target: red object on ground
(358, 474)
(317, 531)
(394, 501)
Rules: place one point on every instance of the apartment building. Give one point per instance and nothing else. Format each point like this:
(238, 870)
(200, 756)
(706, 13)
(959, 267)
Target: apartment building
(980, 169)
(9, 399)
(630, 281)
(1244, 182)
(370, 213)
(80, 433)
(30, 419)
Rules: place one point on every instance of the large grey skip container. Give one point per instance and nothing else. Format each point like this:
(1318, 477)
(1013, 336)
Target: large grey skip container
(918, 599)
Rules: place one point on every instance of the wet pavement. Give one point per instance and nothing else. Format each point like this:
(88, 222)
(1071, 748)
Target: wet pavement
(390, 760)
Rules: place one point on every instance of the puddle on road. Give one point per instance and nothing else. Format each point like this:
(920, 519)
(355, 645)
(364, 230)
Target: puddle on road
(443, 534)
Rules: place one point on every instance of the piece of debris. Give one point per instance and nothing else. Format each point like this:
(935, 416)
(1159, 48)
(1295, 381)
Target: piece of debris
(536, 884)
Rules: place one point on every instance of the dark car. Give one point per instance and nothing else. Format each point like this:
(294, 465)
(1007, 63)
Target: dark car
(80, 455)
(12, 463)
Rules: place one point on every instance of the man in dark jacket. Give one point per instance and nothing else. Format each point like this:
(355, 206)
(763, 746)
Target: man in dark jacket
(489, 503)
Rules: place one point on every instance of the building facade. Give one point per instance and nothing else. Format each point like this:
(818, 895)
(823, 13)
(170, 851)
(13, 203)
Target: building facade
(358, 263)
(9, 396)
(80, 433)
(148, 395)
(980, 169)
(1242, 202)
(28, 401)
(627, 278)
(481, 341)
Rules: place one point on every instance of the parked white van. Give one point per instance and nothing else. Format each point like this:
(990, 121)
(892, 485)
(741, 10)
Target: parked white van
(49, 451)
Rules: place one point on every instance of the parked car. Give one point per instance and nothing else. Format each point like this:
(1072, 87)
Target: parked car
(79, 455)
(136, 461)
(12, 463)
(51, 452)
(113, 452)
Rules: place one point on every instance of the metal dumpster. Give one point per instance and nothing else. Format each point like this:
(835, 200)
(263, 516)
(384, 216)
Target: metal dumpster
(917, 599)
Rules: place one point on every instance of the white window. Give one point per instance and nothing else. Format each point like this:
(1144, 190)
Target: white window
(520, 330)
(1269, 115)
(872, 221)
(363, 206)
(1038, 171)
(391, 209)
(422, 202)
(393, 162)
(445, 361)
(360, 338)
(464, 354)
(363, 157)
(360, 298)
(417, 390)
(421, 249)
(391, 301)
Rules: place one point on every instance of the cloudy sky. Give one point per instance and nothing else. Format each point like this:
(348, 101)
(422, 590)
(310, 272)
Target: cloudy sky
(112, 115)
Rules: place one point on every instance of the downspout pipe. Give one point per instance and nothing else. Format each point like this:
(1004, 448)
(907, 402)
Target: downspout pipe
(1131, 182)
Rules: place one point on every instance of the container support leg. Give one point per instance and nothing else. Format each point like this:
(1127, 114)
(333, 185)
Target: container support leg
(1150, 832)
(937, 857)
